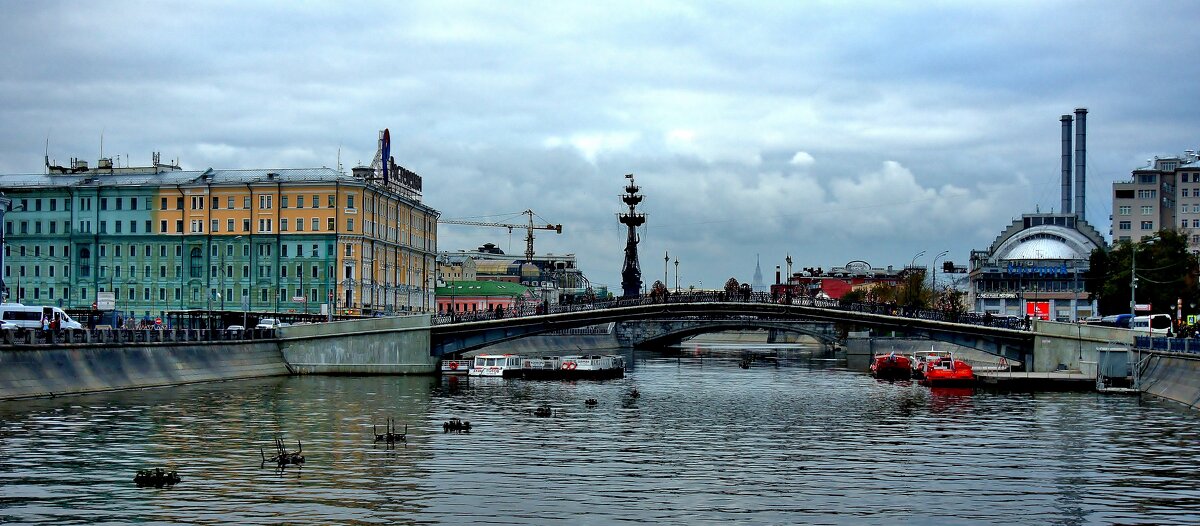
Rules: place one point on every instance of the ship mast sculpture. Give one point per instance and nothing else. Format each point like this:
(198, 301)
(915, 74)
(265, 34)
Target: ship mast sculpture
(631, 272)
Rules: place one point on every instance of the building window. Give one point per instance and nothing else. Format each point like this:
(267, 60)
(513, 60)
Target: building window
(283, 201)
(332, 225)
(315, 203)
(1185, 193)
(245, 225)
(1147, 194)
(215, 226)
(1147, 225)
(246, 202)
(299, 225)
(1195, 223)
(1125, 225)
(179, 226)
(316, 224)
(350, 224)
(283, 225)
(1147, 210)
(350, 201)
(1124, 210)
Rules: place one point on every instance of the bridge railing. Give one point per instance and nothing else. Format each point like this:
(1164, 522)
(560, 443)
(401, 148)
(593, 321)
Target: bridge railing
(1183, 345)
(1006, 322)
(13, 337)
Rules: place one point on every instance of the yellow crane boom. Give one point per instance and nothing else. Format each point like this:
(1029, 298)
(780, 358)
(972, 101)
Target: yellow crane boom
(529, 228)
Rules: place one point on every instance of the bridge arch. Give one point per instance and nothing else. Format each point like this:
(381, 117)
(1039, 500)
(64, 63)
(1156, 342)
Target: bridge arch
(669, 332)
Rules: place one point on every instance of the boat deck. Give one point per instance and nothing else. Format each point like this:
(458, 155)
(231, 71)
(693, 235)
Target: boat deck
(1032, 381)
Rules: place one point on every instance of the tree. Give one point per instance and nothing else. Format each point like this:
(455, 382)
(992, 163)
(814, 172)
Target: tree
(1166, 273)
(731, 286)
(912, 292)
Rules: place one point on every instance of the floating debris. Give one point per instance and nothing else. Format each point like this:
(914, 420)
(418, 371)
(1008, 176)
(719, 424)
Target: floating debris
(157, 477)
(457, 426)
(634, 393)
(745, 363)
(283, 457)
(390, 435)
(543, 411)
(590, 402)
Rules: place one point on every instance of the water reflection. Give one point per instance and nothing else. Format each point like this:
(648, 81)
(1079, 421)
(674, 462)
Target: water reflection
(795, 438)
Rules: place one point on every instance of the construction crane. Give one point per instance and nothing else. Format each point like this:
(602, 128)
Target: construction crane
(529, 228)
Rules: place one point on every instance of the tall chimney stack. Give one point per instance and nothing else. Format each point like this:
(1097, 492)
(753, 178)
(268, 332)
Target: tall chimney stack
(1066, 165)
(776, 274)
(1080, 162)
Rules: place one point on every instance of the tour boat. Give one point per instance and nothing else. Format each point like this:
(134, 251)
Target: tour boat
(574, 367)
(503, 365)
(892, 366)
(946, 371)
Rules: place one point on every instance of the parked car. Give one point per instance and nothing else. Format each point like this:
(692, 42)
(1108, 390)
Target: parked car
(267, 323)
(234, 328)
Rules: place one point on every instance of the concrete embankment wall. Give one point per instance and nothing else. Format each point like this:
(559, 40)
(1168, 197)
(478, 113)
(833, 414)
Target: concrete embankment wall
(1074, 346)
(1173, 376)
(45, 370)
(398, 345)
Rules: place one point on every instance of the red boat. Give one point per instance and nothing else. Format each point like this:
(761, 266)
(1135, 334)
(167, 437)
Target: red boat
(946, 371)
(892, 366)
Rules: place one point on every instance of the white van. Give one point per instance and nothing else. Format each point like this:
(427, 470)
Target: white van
(30, 316)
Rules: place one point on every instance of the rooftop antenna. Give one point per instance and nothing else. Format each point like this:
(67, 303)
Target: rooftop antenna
(102, 143)
(339, 158)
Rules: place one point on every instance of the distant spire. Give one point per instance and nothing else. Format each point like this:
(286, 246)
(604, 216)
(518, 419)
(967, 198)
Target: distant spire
(758, 285)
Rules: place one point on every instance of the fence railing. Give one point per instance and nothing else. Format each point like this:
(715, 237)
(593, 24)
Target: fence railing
(986, 320)
(102, 336)
(1154, 343)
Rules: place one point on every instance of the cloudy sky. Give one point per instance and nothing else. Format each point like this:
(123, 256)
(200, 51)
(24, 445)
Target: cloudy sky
(833, 131)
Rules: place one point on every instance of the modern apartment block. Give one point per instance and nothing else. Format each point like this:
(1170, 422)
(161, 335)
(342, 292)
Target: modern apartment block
(162, 239)
(1164, 194)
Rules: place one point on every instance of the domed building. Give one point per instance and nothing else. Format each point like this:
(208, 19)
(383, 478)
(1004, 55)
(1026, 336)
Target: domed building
(1036, 267)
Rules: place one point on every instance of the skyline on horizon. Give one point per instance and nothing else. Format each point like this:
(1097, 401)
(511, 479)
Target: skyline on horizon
(828, 132)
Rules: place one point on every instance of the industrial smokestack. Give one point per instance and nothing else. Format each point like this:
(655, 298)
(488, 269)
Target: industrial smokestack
(1080, 162)
(1066, 164)
(776, 274)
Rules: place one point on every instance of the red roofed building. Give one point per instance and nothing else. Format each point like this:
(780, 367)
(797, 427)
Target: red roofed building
(836, 282)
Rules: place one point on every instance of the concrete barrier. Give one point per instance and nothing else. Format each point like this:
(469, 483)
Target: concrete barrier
(1174, 376)
(393, 345)
(47, 370)
(1073, 346)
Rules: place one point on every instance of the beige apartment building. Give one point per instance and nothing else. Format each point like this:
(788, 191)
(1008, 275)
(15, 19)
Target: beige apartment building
(1164, 194)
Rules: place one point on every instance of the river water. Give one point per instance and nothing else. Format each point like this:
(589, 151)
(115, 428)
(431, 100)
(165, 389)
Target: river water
(793, 440)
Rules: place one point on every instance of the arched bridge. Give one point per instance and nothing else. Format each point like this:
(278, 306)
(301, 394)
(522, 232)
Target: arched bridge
(449, 337)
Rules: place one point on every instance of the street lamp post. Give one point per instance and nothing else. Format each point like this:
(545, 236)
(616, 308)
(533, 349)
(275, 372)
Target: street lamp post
(666, 261)
(677, 275)
(913, 263)
(934, 269)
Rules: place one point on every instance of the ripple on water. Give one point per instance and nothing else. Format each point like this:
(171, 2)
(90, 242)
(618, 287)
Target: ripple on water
(706, 442)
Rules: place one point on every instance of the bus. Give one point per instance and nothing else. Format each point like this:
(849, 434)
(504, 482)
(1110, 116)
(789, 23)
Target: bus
(1116, 320)
(1157, 324)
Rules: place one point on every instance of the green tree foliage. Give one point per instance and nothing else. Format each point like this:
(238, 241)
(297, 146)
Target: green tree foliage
(1166, 272)
(731, 286)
